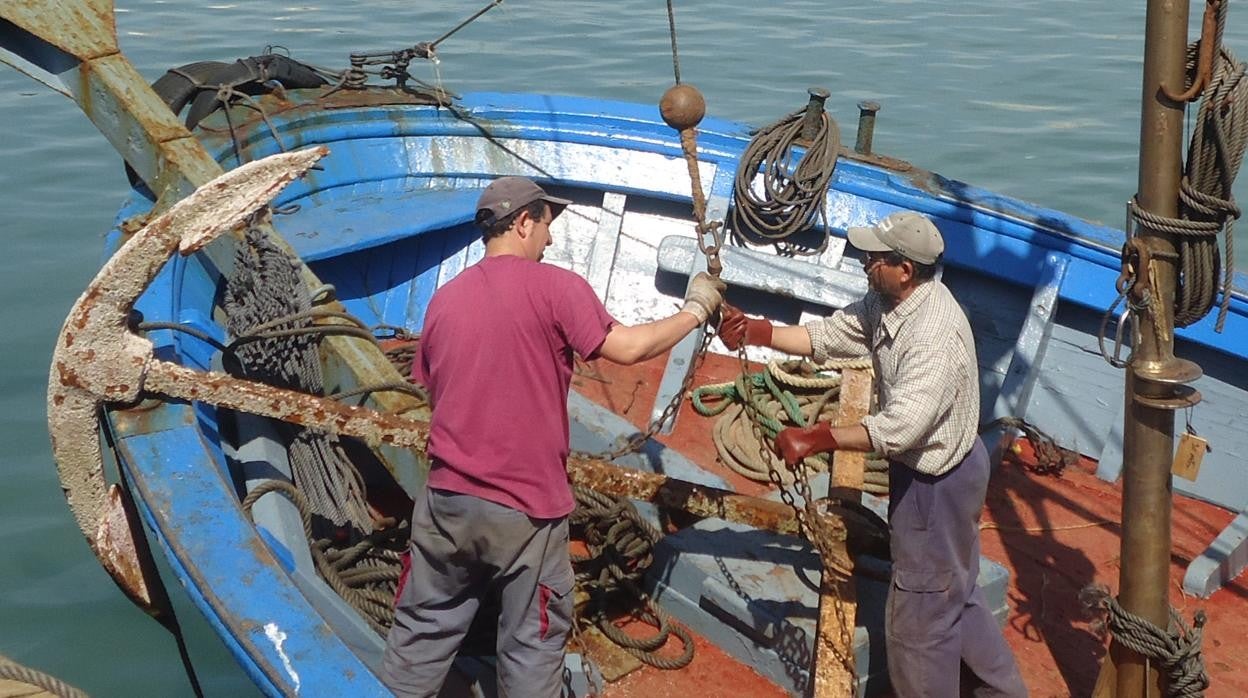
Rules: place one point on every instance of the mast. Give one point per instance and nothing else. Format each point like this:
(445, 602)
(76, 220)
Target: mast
(1155, 379)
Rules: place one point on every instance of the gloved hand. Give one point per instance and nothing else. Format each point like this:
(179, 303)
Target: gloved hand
(796, 443)
(704, 295)
(735, 329)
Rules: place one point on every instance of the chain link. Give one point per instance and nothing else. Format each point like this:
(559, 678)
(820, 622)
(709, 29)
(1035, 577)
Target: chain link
(636, 441)
(800, 482)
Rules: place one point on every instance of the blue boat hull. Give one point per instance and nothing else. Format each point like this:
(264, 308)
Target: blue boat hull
(388, 220)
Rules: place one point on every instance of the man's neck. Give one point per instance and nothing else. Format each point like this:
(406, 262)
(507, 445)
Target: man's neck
(505, 244)
(891, 302)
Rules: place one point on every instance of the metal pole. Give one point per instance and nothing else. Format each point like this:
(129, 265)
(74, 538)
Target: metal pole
(1151, 388)
(866, 126)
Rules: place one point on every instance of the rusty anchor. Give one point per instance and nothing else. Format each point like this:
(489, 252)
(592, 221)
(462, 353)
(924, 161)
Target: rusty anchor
(98, 360)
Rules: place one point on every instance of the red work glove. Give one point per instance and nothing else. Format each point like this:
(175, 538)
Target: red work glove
(796, 443)
(735, 329)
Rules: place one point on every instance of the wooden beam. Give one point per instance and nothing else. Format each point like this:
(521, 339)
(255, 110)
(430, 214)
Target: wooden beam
(834, 671)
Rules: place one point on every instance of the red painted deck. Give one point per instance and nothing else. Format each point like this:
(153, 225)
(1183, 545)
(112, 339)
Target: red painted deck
(1054, 534)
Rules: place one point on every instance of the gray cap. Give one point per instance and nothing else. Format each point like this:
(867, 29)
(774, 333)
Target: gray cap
(910, 234)
(506, 195)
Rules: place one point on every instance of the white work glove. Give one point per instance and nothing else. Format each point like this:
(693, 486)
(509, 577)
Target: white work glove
(703, 297)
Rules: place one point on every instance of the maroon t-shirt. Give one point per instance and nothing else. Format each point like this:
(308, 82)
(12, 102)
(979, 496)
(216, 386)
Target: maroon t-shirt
(496, 356)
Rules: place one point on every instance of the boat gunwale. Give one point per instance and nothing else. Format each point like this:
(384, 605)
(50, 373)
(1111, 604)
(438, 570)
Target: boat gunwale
(627, 126)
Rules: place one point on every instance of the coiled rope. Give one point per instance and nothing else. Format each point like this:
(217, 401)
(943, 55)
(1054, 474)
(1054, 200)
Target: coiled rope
(277, 324)
(1176, 650)
(786, 393)
(368, 588)
(620, 549)
(1206, 202)
(790, 198)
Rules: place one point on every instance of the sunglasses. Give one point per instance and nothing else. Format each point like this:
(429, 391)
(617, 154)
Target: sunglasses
(890, 258)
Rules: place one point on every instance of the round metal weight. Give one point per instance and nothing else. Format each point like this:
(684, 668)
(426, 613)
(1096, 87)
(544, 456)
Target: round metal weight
(682, 106)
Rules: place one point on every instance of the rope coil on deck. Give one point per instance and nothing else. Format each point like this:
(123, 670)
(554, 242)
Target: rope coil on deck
(368, 588)
(786, 393)
(1176, 649)
(621, 545)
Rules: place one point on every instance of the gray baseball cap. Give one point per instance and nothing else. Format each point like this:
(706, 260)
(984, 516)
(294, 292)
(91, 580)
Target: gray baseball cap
(506, 195)
(910, 234)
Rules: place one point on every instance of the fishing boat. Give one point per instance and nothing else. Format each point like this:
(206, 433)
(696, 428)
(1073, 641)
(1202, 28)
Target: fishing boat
(242, 355)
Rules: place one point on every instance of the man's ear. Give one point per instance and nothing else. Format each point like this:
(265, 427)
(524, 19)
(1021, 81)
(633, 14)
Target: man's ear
(523, 223)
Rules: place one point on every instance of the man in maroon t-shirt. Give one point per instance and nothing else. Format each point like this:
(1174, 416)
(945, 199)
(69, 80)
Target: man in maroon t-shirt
(496, 356)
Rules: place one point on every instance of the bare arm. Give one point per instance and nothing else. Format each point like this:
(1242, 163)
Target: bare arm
(630, 344)
(792, 339)
(853, 438)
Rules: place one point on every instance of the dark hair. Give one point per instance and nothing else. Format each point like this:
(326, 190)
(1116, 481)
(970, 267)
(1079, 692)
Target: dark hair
(924, 272)
(492, 227)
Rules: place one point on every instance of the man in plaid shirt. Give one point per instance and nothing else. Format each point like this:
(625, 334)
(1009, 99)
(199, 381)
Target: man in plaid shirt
(926, 425)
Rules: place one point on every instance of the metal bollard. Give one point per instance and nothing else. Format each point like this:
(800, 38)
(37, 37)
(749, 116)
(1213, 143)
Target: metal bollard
(866, 126)
(814, 113)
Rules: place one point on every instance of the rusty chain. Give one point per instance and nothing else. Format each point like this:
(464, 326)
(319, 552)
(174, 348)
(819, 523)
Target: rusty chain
(636, 441)
(800, 481)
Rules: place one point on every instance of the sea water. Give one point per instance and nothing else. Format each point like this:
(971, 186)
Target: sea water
(1038, 100)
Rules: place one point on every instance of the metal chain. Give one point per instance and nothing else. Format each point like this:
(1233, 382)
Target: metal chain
(800, 482)
(636, 441)
(710, 250)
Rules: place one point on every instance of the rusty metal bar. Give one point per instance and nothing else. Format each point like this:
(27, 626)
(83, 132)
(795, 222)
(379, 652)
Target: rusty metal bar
(1148, 430)
(377, 428)
(71, 46)
(669, 493)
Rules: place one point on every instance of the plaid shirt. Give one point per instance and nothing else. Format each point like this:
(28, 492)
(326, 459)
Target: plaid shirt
(927, 381)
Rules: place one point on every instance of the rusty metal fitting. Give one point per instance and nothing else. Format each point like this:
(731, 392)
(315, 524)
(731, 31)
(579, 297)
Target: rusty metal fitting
(866, 126)
(1166, 384)
(814, 113)
(1133, 279)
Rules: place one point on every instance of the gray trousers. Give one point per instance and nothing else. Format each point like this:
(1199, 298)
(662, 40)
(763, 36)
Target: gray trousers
(937, 619)
(462, 548)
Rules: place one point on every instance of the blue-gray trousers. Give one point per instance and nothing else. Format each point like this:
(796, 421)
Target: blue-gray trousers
(937, 618)
(462, 547)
